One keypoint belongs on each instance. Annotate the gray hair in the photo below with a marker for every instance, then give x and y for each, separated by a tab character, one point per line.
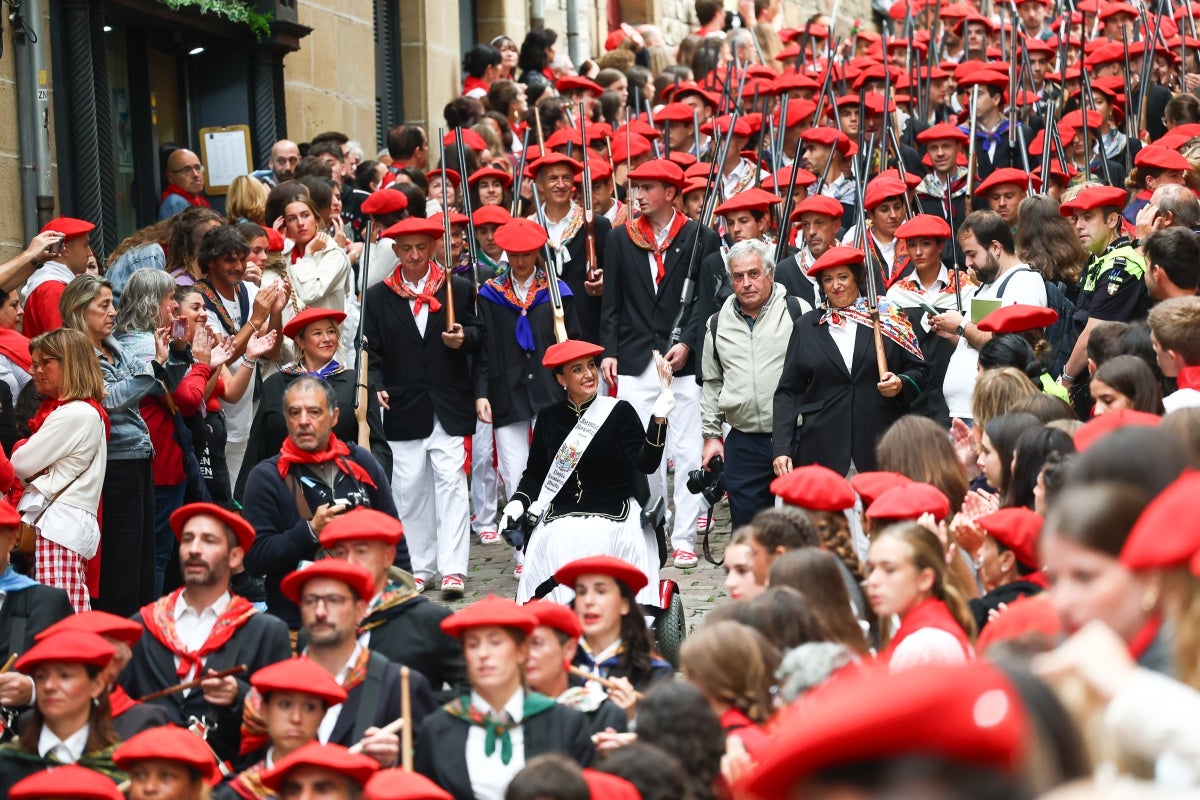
142	299
749	247
1180	203
308	382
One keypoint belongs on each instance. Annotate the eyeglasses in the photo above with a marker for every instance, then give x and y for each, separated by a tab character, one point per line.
37	366
199	168
330	600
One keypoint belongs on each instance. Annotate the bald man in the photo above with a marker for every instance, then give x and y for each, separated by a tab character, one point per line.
285	155
185	184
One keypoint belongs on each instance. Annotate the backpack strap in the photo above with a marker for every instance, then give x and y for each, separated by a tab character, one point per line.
1007	278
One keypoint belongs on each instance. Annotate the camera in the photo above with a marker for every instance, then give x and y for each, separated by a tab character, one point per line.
710	483
517	534
353	500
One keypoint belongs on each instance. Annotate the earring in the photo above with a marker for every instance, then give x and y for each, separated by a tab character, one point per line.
1149	600
96	701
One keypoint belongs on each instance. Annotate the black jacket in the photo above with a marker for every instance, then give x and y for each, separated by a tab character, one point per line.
283	537
574	274
1008	593
28	612
636	318
440	752
270	423
411	634
787	272
843	413
421	375
348	729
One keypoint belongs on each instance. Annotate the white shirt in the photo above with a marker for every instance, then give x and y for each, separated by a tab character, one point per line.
239	415
555	231
325	729
660	236
489	775
420	317
927	646
521	289
65	751
1181	398
193	627
843	336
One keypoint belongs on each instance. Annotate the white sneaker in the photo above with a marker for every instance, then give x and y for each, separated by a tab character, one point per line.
685	559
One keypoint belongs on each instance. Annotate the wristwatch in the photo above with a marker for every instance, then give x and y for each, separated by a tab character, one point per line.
960	330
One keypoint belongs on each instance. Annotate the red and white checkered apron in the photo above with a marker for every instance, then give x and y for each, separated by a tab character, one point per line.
56	565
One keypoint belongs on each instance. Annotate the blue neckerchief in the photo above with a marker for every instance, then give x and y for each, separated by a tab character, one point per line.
523	330
13	581
324	372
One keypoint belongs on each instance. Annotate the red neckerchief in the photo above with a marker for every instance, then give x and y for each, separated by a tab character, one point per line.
472	83
248	783
120	701
641	233
48	406
549	73
159	619
1144	637
1188	378
337	451
433	283
621	216
929	613
193	199
15	347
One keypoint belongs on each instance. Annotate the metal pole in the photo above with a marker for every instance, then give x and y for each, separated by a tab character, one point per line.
537	14
573	42
33	115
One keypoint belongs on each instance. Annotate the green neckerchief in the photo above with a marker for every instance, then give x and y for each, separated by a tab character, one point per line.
97	760
498	726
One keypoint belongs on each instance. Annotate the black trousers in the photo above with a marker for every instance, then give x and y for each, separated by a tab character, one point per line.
126	538
748	475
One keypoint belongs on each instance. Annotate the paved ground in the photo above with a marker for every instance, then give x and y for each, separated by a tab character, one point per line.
491	572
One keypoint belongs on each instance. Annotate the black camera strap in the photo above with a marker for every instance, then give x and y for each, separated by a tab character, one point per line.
704	544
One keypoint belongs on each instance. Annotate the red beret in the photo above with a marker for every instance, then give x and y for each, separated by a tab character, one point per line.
490	611
73	781
1160	158
554	159
563	353
1075	119
384	201
362	525
923	225
910	180
873	103
1006	175
458	218
799	110
783	177
578	83
870	485
661	170
966	714
1018	318
557	616
242	529
629	147
309	315
491	215
681	158
1166	534
357	578
1094	197
609	787
68	647
815	488
880	188
601	171
169	743
722	124
1025	616
638	127
711	99
415	226
819	204
1016	528
1112	9
1096	428
274	240
749	200
909	502
694	185
675	112
69	227
490	172
521	236
400	784
564	137
837	257
453	175
100	623
9	517
830	137
976	18
299	675
700	169
470	138
943	130
983	77
615	568
332	757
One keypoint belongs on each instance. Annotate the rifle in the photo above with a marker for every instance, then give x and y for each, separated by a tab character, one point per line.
971	145
589	215
556	303
361	396
860	179
908	209
953	248
447	247
1090	101
785	219
472	247
519	175
537	120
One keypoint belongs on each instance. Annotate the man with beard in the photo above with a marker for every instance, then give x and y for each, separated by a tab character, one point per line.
332	595
201	629
819	219
987	244
285	155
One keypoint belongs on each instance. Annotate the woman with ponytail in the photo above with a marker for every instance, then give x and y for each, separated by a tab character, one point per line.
906	576
1015	350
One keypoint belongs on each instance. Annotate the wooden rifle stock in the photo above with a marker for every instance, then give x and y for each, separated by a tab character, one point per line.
183	687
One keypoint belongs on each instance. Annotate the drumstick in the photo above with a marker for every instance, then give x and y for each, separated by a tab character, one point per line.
391	727
605	682
8	664
406	751
183	687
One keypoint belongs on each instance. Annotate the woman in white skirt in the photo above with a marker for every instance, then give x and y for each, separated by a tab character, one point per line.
581	478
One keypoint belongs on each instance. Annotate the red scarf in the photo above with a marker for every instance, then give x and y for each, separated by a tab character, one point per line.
159	619
929	613
193	199
433	283
1145	637
472	83
337	451
49	406
120	701
641	233
1188	378
15	347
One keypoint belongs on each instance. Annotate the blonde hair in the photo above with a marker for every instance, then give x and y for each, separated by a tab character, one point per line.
246	199
732	663
78	295
81	375
927	553
996	393
1181	590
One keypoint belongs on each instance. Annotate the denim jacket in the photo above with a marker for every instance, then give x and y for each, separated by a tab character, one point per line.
127	381
148	256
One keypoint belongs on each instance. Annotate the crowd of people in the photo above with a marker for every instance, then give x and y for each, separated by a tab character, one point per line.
920	306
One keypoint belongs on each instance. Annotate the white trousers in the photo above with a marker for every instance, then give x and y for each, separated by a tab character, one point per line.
512	453
684	445
483	479
430	490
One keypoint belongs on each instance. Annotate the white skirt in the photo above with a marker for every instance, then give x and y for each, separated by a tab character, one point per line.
556	544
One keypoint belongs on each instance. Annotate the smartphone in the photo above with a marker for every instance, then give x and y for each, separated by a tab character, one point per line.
179	329
57	248
929	309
